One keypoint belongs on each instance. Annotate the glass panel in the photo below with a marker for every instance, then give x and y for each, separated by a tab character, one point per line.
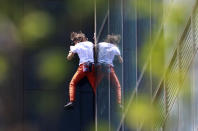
107	88
196	93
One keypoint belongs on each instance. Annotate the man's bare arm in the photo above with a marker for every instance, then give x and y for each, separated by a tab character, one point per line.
120	59
70	55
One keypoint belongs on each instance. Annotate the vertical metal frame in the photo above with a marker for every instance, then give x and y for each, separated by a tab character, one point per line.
122	43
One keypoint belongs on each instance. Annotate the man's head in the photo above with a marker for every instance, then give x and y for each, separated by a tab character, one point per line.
78	37
113	39
82	36
73	35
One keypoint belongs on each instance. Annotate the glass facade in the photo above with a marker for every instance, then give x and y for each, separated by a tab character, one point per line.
177	54
158	76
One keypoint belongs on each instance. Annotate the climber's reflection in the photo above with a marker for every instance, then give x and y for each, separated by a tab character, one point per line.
106	52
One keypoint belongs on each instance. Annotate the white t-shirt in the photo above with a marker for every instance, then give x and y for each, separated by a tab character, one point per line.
84	51
107	51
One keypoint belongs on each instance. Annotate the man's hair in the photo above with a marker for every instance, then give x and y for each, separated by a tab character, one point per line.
78	36
73	35
113	39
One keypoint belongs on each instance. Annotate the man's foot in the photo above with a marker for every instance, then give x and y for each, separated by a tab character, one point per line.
69	105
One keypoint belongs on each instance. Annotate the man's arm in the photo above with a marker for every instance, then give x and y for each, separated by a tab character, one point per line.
120	59
70	55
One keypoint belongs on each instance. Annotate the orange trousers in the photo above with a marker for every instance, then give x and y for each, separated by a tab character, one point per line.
77	77
113	79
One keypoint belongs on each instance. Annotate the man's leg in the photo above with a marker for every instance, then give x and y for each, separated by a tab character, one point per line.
116	82
75	79
72	86
92	78
98	74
